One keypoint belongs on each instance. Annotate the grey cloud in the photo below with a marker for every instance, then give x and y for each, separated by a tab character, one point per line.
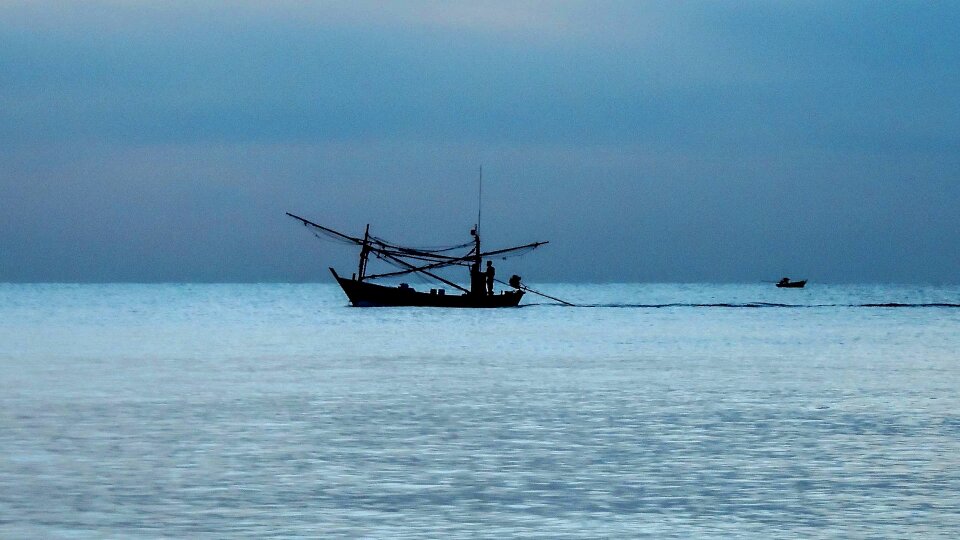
694	141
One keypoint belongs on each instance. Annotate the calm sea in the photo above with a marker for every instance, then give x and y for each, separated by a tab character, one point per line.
685	411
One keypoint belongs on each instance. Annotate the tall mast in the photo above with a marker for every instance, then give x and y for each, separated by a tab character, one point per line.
364	253
476	281
480	201
476	229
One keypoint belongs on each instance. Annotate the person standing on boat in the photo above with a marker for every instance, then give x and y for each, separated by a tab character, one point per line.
476	280
490	273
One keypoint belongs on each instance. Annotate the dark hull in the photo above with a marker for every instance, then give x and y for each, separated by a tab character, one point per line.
792	285
363	294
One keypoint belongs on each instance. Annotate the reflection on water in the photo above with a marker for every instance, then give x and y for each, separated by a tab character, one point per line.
273	410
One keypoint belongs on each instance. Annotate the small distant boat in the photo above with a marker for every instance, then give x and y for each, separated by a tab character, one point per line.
785	283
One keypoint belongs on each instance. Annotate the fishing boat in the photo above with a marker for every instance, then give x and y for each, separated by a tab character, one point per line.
785	283
362	292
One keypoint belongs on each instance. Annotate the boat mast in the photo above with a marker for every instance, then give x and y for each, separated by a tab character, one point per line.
480	201
476	229
364	253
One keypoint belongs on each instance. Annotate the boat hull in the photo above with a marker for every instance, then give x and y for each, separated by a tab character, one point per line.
792	284
363	294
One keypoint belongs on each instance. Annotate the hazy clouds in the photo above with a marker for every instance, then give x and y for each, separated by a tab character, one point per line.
648	141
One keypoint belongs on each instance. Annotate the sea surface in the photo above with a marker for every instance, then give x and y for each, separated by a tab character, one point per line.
659	411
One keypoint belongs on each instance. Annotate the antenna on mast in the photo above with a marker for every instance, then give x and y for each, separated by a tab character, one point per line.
480	200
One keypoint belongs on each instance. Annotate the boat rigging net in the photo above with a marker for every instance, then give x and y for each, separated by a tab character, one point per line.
409	259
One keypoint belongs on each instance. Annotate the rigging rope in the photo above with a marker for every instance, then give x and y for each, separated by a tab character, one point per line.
401	256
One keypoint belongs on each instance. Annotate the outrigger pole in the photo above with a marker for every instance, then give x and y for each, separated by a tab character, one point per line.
370	242
357	241
454	260
529	290
412	268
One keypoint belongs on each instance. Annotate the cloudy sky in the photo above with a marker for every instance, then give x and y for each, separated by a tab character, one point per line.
648	141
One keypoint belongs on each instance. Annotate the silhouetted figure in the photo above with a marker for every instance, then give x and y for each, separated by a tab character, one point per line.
476	280
490	273
783	281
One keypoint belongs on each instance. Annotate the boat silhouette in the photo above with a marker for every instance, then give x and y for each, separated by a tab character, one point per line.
362	292
785	283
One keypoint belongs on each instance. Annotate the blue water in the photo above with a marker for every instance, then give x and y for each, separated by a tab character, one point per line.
708	411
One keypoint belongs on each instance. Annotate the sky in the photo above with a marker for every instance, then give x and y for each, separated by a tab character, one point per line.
647	141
